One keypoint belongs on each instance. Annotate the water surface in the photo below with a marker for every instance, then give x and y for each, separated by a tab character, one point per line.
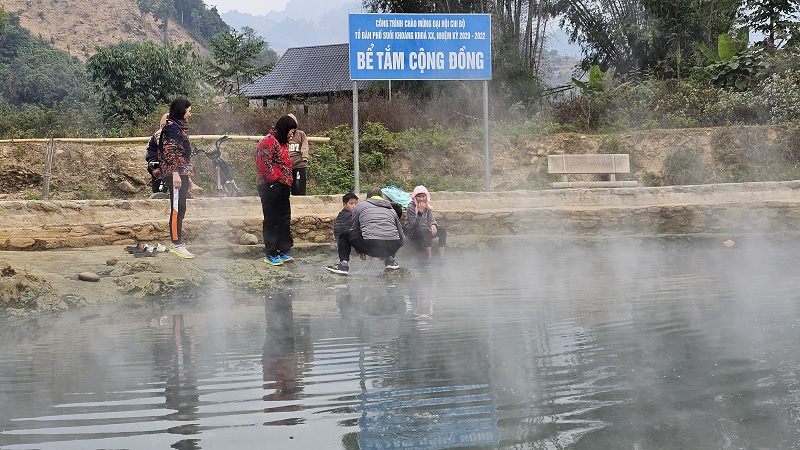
665	344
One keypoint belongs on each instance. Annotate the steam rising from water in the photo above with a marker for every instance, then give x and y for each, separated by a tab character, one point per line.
619	344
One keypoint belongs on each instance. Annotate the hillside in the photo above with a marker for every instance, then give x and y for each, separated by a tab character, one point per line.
119	171
78	26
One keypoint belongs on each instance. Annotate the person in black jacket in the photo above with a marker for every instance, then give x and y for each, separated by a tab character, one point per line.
175	159
345	218
152	157
375	231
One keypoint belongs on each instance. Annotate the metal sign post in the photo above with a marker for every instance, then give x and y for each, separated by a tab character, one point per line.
421	47
357	172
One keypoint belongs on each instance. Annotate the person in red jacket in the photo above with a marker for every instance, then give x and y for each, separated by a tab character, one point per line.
274	179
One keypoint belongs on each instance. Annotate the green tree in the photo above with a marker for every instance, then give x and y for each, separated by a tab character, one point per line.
33	72
647	36
193	15
733	65
772	18
134	78
518	33
165	10
201	22
233	56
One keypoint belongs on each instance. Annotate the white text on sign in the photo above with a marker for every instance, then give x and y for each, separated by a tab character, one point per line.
421	60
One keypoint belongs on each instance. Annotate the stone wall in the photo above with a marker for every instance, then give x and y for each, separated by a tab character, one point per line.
725	209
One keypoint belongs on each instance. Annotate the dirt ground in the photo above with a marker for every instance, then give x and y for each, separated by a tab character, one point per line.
36	282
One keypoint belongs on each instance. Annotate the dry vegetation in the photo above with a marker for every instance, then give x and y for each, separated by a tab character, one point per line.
78	26
84	171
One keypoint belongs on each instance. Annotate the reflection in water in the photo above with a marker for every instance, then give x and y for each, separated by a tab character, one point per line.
409	397
279	358
421	297
668	345
180	388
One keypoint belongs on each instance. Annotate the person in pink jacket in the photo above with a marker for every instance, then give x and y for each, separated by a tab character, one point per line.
420	226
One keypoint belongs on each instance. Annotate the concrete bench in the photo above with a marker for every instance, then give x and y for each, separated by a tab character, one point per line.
590	164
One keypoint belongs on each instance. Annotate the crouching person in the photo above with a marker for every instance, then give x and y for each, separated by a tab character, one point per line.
375	231
420	227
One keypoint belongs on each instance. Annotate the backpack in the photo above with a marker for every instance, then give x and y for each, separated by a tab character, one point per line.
397	195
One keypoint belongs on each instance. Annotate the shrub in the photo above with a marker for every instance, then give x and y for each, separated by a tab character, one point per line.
581	112
632	105
651	179
781	96
332	174
734	107
435	182
679	104
89	192
375	138
791	148
684	166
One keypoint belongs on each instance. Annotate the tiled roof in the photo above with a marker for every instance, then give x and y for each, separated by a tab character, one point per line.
303	71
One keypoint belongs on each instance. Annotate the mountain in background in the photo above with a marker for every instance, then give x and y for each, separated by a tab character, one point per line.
78	26
301	24
312	22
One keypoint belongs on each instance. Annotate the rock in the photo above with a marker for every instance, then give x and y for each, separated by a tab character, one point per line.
126	186
88	276
20	243
112	262
45	206
7	271
248	239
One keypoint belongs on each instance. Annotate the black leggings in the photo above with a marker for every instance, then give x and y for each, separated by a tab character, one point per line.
299	183
177	201
376	248
423	238
277	210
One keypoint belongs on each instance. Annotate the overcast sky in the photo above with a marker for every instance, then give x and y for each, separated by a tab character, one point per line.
324	30
261	7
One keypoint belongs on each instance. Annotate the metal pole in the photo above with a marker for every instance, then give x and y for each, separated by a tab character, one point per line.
48	166
486	163
355	139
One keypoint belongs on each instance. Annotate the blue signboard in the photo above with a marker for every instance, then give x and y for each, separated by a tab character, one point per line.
420	47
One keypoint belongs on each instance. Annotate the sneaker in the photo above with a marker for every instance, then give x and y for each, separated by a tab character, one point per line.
273	260
390	263
181	251
286	257
160	248
341	269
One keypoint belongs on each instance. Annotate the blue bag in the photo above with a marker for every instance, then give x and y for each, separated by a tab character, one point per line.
397	195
